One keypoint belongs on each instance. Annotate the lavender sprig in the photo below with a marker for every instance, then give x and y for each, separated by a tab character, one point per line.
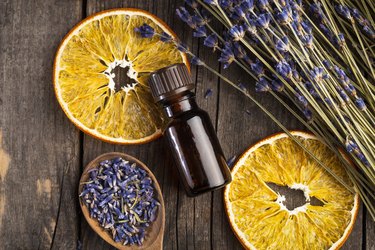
318	56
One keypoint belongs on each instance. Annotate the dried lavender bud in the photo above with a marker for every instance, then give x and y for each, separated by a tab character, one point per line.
120	195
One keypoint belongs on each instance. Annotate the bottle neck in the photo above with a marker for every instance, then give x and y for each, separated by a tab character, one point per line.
180	104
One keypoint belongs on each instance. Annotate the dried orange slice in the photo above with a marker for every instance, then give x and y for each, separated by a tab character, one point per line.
100	75
258	214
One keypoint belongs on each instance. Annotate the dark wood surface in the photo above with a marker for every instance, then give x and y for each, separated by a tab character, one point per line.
42	154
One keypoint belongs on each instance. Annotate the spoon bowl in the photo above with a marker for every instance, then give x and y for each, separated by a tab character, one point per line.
154	233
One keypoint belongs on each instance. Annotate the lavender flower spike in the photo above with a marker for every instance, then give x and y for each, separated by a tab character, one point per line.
248	5
360	103
277	85
182	47
237	32
308	114
344	11
196	61
282	45
200	32
164	37
212	2
185	16
262	85
211	41
257	68
317	74
263	4
192	3
227	56
239	51
264	20
146	31
284	17
284	69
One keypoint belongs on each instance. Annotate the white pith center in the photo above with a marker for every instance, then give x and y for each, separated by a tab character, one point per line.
132	74
306	192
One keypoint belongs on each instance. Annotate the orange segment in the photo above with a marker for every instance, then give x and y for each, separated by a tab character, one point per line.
258	215
97	101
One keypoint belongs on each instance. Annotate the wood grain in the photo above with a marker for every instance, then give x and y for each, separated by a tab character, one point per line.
39	205
42	154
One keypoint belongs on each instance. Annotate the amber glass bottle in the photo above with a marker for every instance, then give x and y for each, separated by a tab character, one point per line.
190	134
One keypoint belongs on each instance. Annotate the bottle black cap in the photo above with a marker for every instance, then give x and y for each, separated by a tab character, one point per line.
169	81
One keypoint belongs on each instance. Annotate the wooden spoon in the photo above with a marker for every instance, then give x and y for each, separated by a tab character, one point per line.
155	232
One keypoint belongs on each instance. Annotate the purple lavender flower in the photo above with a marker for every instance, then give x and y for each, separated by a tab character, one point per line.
240	13
225	4
247	5
308	114
251	27
208	93
196	61
284	69
282	45
200	32
212	2
277	85
182	47
326	31
343	11
199	21
239	51
350	89
227	56
192	3
242	87
301	99
343	94
263	4
370	32
284	17
352	147
317	74
307	41
262	85
360	103
146	31
306	27
296	75
257	68
329	102
264	20
185	16
340	40
327	64
237	32
211	41
164	37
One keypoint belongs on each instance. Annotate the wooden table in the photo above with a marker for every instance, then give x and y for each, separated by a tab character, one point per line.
42	154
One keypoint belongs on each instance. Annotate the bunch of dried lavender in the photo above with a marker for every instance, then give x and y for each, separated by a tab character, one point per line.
120	196
299	49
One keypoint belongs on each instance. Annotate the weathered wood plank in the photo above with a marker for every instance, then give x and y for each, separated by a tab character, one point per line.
370	232
38	197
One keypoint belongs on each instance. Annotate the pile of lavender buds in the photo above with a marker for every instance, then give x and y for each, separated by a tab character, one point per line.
120	196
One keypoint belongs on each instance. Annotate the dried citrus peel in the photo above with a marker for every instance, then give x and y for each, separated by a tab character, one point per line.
258	214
